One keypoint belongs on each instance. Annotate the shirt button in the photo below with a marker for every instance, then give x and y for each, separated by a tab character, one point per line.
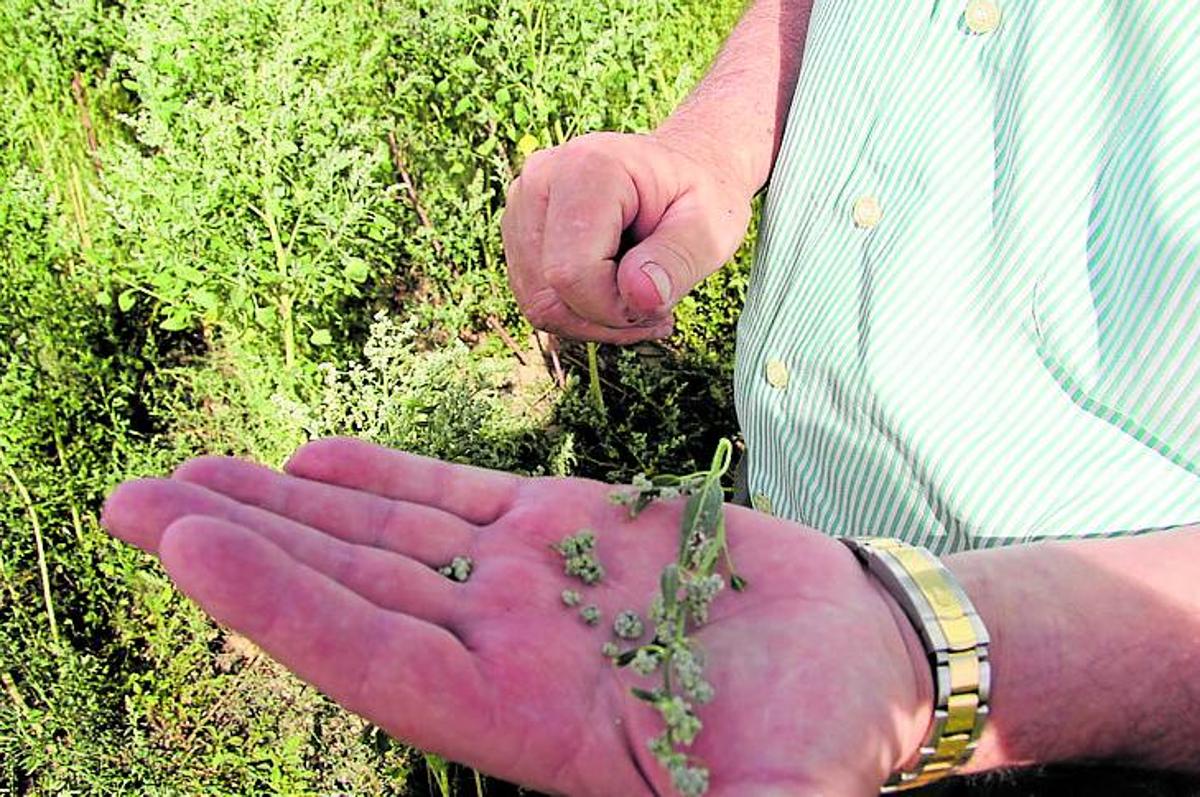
866	212
982	16
761	503
777	374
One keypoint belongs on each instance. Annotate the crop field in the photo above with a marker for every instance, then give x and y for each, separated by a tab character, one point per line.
229	227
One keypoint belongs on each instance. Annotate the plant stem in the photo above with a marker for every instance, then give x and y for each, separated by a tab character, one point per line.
76	521
285	298
594	377
439	770
43	571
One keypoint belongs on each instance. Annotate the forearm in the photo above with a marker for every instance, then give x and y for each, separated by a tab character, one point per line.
737	112
1095	650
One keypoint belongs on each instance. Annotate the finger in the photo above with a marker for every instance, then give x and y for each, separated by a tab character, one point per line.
564	322
423	533
592	199
474	494
141	512
411	677
654	275
522	226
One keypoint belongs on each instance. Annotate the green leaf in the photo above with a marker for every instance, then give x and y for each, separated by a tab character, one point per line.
702	513
645	695
190	273
527	145
265	316
321	337
126	300
176	322
669	583
487	147
357	270
206	299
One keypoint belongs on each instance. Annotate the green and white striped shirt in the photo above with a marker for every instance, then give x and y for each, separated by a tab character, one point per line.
974	317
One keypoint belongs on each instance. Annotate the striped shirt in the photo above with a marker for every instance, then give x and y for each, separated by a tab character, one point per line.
974	314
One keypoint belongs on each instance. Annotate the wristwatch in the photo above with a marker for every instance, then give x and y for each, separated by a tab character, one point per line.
955	642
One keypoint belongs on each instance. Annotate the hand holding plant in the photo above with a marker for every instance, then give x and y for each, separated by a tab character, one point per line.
332	567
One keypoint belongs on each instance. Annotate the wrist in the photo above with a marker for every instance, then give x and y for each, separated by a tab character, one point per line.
955	646
916	704
1040	712
721	159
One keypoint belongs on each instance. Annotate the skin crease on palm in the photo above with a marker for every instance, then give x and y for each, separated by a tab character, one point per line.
329	567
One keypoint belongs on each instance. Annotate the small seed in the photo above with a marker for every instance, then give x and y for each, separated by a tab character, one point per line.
571	597
610	650
579	557
590	614
644	662
459	569
628	625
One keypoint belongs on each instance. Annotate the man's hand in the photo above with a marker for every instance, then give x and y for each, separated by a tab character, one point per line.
331	568
604	234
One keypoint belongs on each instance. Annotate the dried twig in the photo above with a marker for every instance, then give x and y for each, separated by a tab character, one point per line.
549	348
85	119
410	188
499	329
212	710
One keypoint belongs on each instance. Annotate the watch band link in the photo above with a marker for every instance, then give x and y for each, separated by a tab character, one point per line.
955	642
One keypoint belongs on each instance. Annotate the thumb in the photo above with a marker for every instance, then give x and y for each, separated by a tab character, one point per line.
654	275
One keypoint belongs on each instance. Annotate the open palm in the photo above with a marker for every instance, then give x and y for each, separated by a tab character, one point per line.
331	568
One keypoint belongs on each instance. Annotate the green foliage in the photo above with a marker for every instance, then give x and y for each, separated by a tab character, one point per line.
442	403
202	215
666	412
252	192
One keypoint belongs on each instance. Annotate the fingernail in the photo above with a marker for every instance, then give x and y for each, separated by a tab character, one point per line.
662	283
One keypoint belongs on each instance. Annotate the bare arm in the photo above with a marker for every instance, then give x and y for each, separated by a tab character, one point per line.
1096	650
741	105
606	233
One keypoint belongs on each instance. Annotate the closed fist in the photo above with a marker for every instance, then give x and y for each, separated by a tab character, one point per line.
605	234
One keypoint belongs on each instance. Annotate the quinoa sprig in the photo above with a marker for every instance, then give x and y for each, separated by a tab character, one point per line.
687	588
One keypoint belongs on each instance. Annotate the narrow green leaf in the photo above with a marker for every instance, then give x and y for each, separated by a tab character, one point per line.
646	695
669	583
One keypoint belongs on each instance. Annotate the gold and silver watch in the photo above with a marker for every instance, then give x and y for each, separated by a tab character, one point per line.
957	646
